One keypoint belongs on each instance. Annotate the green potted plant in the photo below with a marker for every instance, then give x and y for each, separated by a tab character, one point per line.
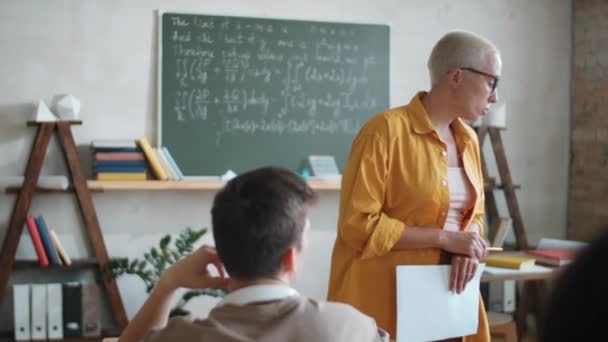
157	259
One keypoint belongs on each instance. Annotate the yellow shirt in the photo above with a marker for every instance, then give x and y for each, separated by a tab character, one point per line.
396	175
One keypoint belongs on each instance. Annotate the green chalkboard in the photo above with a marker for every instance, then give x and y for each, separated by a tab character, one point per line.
239	93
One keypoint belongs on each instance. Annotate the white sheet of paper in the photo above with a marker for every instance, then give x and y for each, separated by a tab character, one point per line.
426	308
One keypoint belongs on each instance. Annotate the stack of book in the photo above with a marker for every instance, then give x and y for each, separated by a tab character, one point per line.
552	257
118	160
556	252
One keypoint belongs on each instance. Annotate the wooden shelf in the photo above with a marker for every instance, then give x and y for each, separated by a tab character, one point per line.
185	185
44	133
79	264
152	185
16	189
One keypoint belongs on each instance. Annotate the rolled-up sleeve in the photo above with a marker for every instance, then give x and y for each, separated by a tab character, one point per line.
479	214
363	225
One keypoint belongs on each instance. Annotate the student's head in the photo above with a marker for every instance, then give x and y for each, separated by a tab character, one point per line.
467	66
577	306
259	219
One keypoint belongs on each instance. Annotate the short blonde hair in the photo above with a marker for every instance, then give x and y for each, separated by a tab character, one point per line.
458	49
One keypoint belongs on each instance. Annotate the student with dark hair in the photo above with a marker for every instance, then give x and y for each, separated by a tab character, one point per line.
259	225
579	301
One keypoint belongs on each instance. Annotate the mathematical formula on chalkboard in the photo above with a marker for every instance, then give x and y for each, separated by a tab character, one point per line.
234	77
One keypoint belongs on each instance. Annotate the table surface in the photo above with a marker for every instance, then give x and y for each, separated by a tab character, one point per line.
538	272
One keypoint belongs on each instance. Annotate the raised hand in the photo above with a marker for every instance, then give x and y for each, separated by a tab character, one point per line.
192	271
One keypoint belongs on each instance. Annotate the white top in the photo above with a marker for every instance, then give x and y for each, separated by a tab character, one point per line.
258	293
461	198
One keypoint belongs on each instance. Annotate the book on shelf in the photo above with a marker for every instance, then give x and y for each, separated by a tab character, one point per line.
552	257
164	164
63	255
45	237
136	164
556	252
36	241
113	144
120	167
121	176
118	156
174	166
152	159
118	160
510	261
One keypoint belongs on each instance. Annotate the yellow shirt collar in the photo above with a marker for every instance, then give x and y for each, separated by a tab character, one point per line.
421	123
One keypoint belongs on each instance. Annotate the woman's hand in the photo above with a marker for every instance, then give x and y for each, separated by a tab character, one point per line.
463	270
464	243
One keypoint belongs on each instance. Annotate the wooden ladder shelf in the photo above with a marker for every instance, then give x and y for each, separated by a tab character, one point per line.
507	186
24	199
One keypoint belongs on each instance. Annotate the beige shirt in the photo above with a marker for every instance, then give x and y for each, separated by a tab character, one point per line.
256	314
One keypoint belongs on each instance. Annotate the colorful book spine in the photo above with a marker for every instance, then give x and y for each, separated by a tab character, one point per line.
178	171
125	163
113	143
121	176
152	160
119	156
46	242
65	258
117	149
164	164
36	241
120	168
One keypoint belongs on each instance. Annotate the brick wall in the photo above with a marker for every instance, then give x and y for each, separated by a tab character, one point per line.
588	195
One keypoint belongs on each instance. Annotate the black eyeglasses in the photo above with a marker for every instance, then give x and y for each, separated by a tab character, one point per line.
495	78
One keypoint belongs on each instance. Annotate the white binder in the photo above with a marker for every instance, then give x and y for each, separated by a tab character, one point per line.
501	296
21	311
39	332
55	311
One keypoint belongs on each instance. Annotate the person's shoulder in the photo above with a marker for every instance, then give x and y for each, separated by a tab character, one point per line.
383	122
344	320
178	328
335	309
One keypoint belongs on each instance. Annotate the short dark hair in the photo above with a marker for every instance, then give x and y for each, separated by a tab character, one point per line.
577	306
256	217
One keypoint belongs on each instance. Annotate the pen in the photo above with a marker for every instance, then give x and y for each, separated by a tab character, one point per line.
494	249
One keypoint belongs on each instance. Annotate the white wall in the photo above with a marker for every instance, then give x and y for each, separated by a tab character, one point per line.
103	52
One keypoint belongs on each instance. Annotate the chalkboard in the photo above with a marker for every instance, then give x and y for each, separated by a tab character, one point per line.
238	93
